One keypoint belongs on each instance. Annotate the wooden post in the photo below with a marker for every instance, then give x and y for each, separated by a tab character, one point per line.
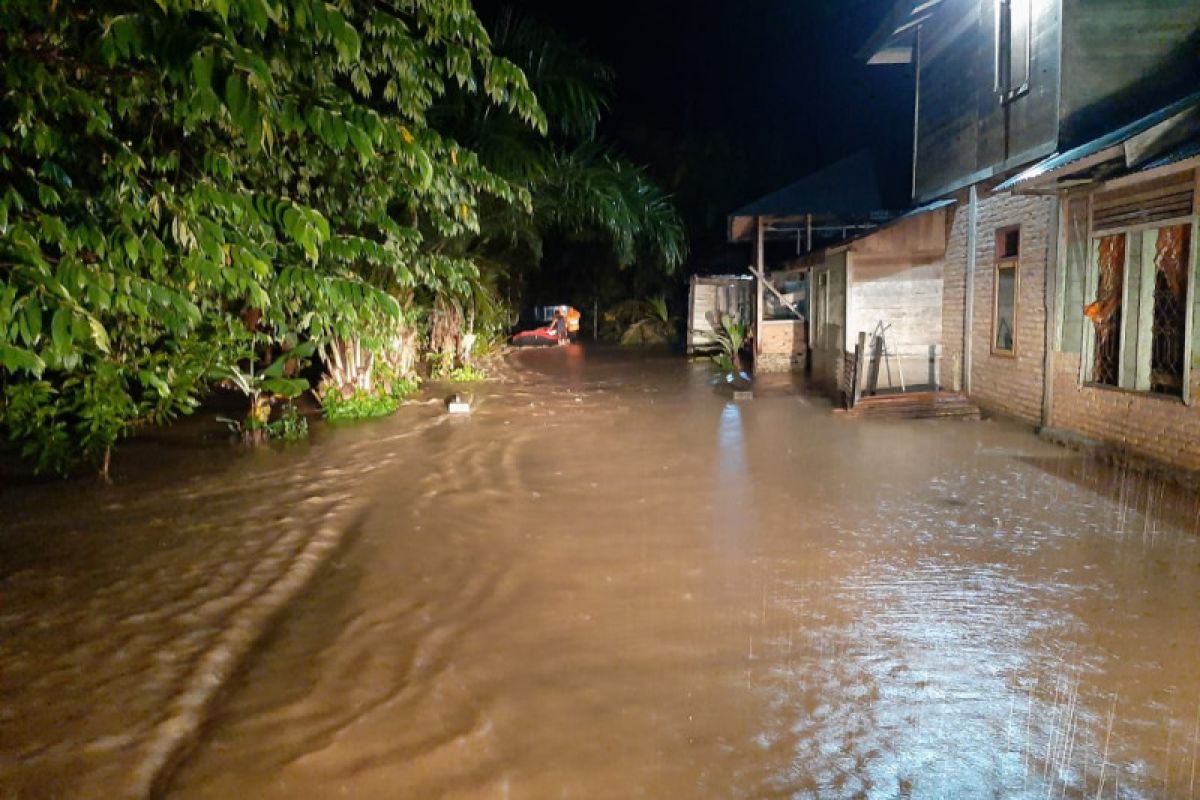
860	348
808	225
969	288
760	265
1056	237
691	317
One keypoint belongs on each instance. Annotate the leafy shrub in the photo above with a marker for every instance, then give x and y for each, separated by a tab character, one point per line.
363	404
290	426
467	374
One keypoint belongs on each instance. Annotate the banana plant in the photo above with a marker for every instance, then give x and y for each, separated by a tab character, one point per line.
263	387
731	337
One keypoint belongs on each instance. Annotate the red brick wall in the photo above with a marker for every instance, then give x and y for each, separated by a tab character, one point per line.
1160	428
1009	384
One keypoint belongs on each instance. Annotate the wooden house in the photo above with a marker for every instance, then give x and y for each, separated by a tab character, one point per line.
833	203
1067	131
881	291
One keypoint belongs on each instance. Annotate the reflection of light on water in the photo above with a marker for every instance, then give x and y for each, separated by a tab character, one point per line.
732	441
734	516
967	649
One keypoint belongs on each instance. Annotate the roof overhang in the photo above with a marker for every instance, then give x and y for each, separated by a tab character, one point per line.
1169	135
892	41
776	228
841	195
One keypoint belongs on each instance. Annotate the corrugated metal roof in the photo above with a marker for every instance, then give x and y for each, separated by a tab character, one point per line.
1181	153
1095	147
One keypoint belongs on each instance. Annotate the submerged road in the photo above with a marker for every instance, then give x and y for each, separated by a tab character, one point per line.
612	582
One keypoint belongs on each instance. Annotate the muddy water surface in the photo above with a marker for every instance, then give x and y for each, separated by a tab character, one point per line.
607	582
610	582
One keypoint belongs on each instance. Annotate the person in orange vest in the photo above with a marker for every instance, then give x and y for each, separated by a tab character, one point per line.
572	316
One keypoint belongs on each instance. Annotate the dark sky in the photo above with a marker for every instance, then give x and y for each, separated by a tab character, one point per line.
728	99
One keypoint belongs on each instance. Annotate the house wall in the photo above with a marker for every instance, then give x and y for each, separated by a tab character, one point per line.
828	310
1160	428
905	295
965	133
896	279
1013	384
1153	426
784	346
1124	58
708	299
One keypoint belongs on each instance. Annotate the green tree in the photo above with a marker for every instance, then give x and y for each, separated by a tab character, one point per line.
192	186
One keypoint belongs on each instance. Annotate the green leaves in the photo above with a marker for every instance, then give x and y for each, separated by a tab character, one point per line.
16	359
195	184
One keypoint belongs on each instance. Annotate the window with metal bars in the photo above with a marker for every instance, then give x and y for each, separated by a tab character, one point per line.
1105	311
1169	321
1140	309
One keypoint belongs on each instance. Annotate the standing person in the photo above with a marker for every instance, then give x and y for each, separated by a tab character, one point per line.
559	325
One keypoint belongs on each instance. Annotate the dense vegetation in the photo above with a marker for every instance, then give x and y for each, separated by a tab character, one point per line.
196	192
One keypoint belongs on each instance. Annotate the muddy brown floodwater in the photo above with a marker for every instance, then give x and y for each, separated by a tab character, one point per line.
612	582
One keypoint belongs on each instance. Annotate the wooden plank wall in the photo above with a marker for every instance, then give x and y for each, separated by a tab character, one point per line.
963	128
1123	59
905	294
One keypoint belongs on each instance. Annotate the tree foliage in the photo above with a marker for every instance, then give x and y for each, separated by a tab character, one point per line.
187	183
204	191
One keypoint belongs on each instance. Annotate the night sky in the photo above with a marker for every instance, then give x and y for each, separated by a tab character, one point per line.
726	101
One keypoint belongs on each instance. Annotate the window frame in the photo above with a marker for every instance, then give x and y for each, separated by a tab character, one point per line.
1000	261
1003	85
1125	371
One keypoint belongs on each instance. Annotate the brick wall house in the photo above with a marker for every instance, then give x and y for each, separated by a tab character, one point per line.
1140	396
1069	133
1003	376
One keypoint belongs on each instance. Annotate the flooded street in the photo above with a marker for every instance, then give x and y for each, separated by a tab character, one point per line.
610	582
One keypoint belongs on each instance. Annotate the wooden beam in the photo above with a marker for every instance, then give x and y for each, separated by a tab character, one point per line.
1057	240
762	278
759	263
969	287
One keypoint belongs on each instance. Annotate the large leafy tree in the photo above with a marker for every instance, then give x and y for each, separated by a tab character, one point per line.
187	183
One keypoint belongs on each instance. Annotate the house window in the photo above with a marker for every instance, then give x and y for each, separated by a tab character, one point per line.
1014	46
1172	247
1140	309
1007	280
1105	310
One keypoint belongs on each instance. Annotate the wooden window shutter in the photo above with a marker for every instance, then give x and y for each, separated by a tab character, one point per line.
1168	198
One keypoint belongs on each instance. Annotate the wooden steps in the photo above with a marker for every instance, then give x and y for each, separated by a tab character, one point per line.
915	405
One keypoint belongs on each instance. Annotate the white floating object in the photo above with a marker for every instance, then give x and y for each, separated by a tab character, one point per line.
458	404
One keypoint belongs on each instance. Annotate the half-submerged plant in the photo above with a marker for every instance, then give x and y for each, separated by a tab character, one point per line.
263	388
731	338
